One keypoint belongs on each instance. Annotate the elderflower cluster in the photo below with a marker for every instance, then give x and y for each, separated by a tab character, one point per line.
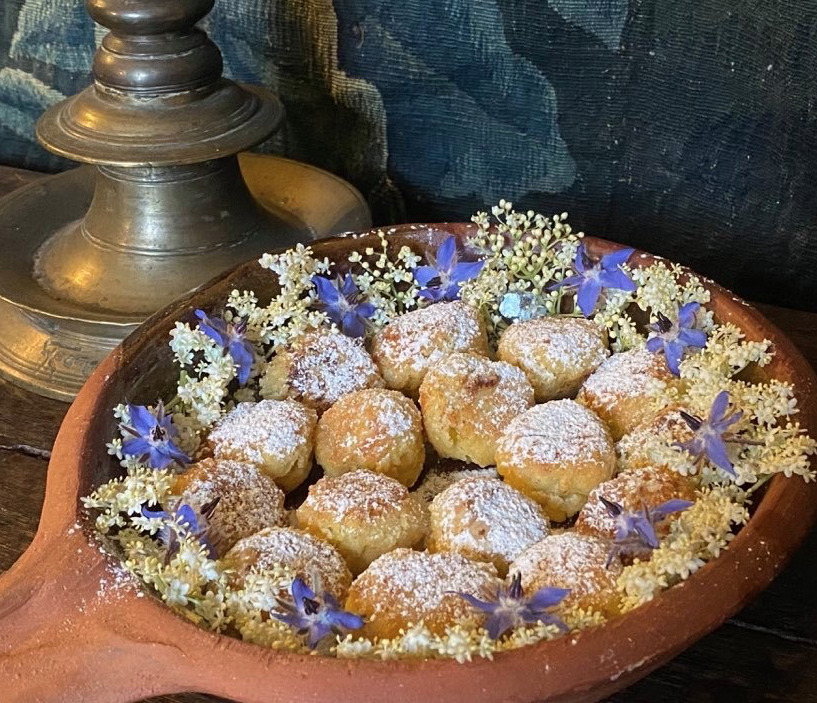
523	252
249	605
125	495
661	289
291	311
206	372
727	353
665	288
387	283
613	316
767	441
189	582
462	641
698	534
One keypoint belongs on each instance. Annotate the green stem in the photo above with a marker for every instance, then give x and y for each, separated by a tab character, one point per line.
175	401
759	483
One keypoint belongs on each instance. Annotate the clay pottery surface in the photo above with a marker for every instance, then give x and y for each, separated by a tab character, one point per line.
74	626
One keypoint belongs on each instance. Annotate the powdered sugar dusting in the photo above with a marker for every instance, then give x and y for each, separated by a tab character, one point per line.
304	554
550	347
394	416
669	426
362	494
632	490
494	391
625	375
258	432
249	501
116	581
554	432
567	560
421	338
418	583
391	415
437	480
322	367
487	517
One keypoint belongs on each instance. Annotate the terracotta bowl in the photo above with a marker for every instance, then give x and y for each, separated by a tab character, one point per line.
73	625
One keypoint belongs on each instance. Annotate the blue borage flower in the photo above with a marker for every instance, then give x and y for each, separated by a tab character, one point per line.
315	616
712	434
510	609
151	437
673	338
441	279
635	531
184	521
231	338
344	304
593	277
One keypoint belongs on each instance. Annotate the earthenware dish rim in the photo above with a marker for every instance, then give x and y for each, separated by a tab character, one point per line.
584	666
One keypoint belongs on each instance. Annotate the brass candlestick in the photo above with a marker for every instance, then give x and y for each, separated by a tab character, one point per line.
170	207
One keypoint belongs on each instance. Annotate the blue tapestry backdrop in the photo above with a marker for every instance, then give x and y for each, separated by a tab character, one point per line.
685	127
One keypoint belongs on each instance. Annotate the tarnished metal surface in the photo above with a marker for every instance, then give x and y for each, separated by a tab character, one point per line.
50	345
165	207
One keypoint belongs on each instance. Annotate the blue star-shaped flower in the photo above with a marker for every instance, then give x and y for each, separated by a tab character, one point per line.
635	531
712	434
230	337
344	305
591	278
315	616
442	278
510	609
186	521
152	437
673	338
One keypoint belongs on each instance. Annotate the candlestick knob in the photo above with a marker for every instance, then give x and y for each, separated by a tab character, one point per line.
158	97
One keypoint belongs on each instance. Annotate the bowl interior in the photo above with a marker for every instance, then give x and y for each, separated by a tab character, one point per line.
141	370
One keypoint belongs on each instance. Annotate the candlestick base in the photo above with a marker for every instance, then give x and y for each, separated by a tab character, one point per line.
52	340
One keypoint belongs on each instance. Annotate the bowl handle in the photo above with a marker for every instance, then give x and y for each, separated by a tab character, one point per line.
66	634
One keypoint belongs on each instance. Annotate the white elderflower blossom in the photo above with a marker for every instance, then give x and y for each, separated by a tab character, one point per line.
385	282
698	534
523	252
176	593
524	636
415	641
459	642
127	494
350	647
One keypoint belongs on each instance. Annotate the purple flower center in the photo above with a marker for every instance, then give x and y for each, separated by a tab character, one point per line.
441	278
635	533
185	521
673	339
510	609
711	435
151	437
314	616
344	304
591	279
311	606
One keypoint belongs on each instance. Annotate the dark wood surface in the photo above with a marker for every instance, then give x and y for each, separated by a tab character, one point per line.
768	652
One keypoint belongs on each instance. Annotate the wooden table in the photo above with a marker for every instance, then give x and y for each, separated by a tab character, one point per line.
767	653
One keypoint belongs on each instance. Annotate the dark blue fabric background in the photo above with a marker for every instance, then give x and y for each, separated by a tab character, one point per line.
686	127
